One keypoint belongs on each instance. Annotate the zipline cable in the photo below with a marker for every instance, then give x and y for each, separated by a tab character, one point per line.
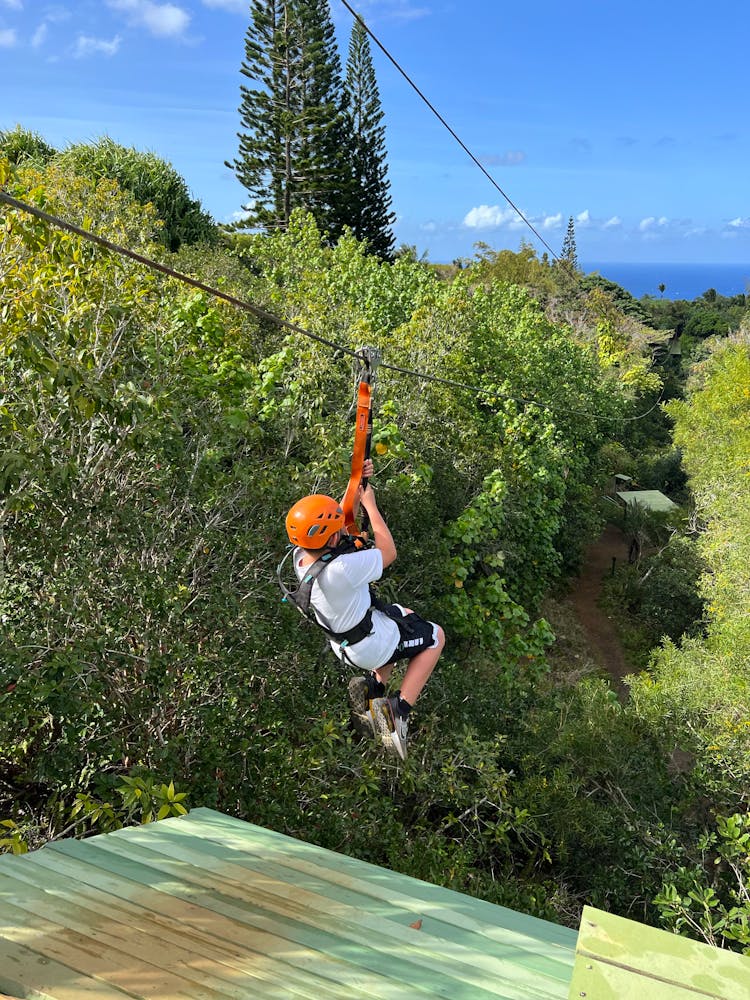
443	122
149	262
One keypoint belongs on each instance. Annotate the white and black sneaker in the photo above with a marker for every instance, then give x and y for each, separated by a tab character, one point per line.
393	726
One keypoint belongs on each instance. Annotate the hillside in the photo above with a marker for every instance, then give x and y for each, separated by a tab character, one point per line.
153	439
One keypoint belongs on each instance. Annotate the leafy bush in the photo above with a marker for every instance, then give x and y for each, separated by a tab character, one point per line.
150	180
20	145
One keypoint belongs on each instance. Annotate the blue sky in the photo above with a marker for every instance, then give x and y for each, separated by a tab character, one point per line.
631	117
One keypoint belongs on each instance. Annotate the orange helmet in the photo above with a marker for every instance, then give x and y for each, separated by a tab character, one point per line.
312	520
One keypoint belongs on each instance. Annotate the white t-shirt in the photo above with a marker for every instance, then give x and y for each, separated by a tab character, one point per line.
341	596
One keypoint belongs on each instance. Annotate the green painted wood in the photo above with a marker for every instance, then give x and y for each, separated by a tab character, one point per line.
315	945
419	898
440	922
479	915
112	937
657	957
194	917
408	960
170	846
30	976
597	980
208	907
135	975
99	905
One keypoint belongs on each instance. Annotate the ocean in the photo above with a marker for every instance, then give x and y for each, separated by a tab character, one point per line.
683	281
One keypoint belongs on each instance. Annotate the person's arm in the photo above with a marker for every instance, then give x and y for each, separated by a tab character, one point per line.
383	537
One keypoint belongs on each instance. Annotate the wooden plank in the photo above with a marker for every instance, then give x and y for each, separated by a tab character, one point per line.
354	926
597	980
660	957
32	976
172	844
404	964
225	949
137	975
550	955
478	914
194	912
113	937
438	921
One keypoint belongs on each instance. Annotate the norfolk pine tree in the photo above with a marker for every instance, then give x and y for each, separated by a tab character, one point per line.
323	164
370	216
569	253
293	118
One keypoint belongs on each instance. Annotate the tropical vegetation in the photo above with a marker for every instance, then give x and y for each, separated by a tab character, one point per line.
151	440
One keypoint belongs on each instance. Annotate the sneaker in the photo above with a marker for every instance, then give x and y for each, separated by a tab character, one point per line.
393	727
360	695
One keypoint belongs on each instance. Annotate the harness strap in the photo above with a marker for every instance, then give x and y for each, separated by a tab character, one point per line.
362	437
301	595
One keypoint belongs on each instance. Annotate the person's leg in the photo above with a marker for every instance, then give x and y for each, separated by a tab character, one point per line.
391	714
383	674
419	670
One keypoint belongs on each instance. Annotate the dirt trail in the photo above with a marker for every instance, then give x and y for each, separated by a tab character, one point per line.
584	596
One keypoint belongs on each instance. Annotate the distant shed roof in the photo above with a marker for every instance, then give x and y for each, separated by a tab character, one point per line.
650	499
211	907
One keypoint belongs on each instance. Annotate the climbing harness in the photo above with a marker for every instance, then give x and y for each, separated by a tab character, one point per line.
300	596
370	357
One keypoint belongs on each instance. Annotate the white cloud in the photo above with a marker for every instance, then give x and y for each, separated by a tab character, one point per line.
13	4
612	223
39	36
739	223
488	217
651	222
511	158
552	221
583	218
164	20
88	46
8	38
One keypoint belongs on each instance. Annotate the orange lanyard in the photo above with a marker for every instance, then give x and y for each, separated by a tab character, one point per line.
362	439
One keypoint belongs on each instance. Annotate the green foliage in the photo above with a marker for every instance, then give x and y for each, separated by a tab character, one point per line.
705	316
707	895
152	440
663	470
568	252
624	301
521	268
150	180
661	592
154	802
22	146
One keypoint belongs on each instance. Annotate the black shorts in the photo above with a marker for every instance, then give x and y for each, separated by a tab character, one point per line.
416	633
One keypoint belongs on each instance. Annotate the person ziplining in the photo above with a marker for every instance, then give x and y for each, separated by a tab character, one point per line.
335	563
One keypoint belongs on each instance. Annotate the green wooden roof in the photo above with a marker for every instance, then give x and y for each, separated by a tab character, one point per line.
650	499
205	906
619	959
